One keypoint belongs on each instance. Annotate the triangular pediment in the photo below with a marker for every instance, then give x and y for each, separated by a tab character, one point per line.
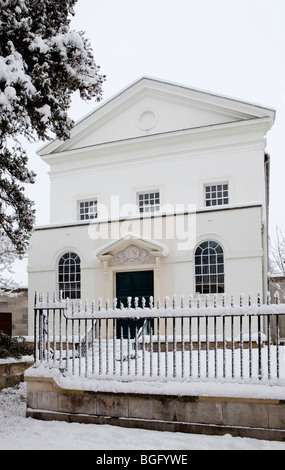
132	247
150	107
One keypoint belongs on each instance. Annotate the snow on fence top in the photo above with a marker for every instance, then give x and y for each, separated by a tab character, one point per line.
199	306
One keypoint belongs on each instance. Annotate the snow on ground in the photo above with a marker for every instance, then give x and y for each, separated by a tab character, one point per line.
19	433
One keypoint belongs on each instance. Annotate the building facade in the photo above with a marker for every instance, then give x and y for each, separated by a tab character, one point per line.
163	189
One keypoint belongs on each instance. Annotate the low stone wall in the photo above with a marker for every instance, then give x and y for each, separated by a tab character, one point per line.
245	417
12	373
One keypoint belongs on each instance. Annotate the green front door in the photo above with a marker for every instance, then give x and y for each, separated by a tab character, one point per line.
132	284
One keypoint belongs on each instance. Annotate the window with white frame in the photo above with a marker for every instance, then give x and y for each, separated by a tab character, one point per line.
69	276
216	194
88	210
209	268
149	202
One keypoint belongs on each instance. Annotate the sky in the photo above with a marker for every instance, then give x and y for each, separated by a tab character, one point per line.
229	47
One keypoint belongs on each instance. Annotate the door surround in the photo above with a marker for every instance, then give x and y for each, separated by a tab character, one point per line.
131	252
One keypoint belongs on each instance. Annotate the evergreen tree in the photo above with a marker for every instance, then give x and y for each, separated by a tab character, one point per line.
42	63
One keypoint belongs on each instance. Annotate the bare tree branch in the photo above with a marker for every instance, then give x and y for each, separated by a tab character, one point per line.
277	265
8	254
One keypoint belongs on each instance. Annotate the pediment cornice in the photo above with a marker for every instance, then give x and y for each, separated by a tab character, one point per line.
102	126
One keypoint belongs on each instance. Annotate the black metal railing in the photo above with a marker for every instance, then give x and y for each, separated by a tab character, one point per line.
207	340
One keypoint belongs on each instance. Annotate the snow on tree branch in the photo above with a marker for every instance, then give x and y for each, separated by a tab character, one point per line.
42	63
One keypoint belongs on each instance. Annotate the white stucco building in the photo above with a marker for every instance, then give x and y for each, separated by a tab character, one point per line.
163	189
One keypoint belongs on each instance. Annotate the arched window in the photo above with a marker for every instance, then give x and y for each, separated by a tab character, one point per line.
209	268
69	276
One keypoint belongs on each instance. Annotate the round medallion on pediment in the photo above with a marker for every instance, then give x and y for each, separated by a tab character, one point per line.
147	119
